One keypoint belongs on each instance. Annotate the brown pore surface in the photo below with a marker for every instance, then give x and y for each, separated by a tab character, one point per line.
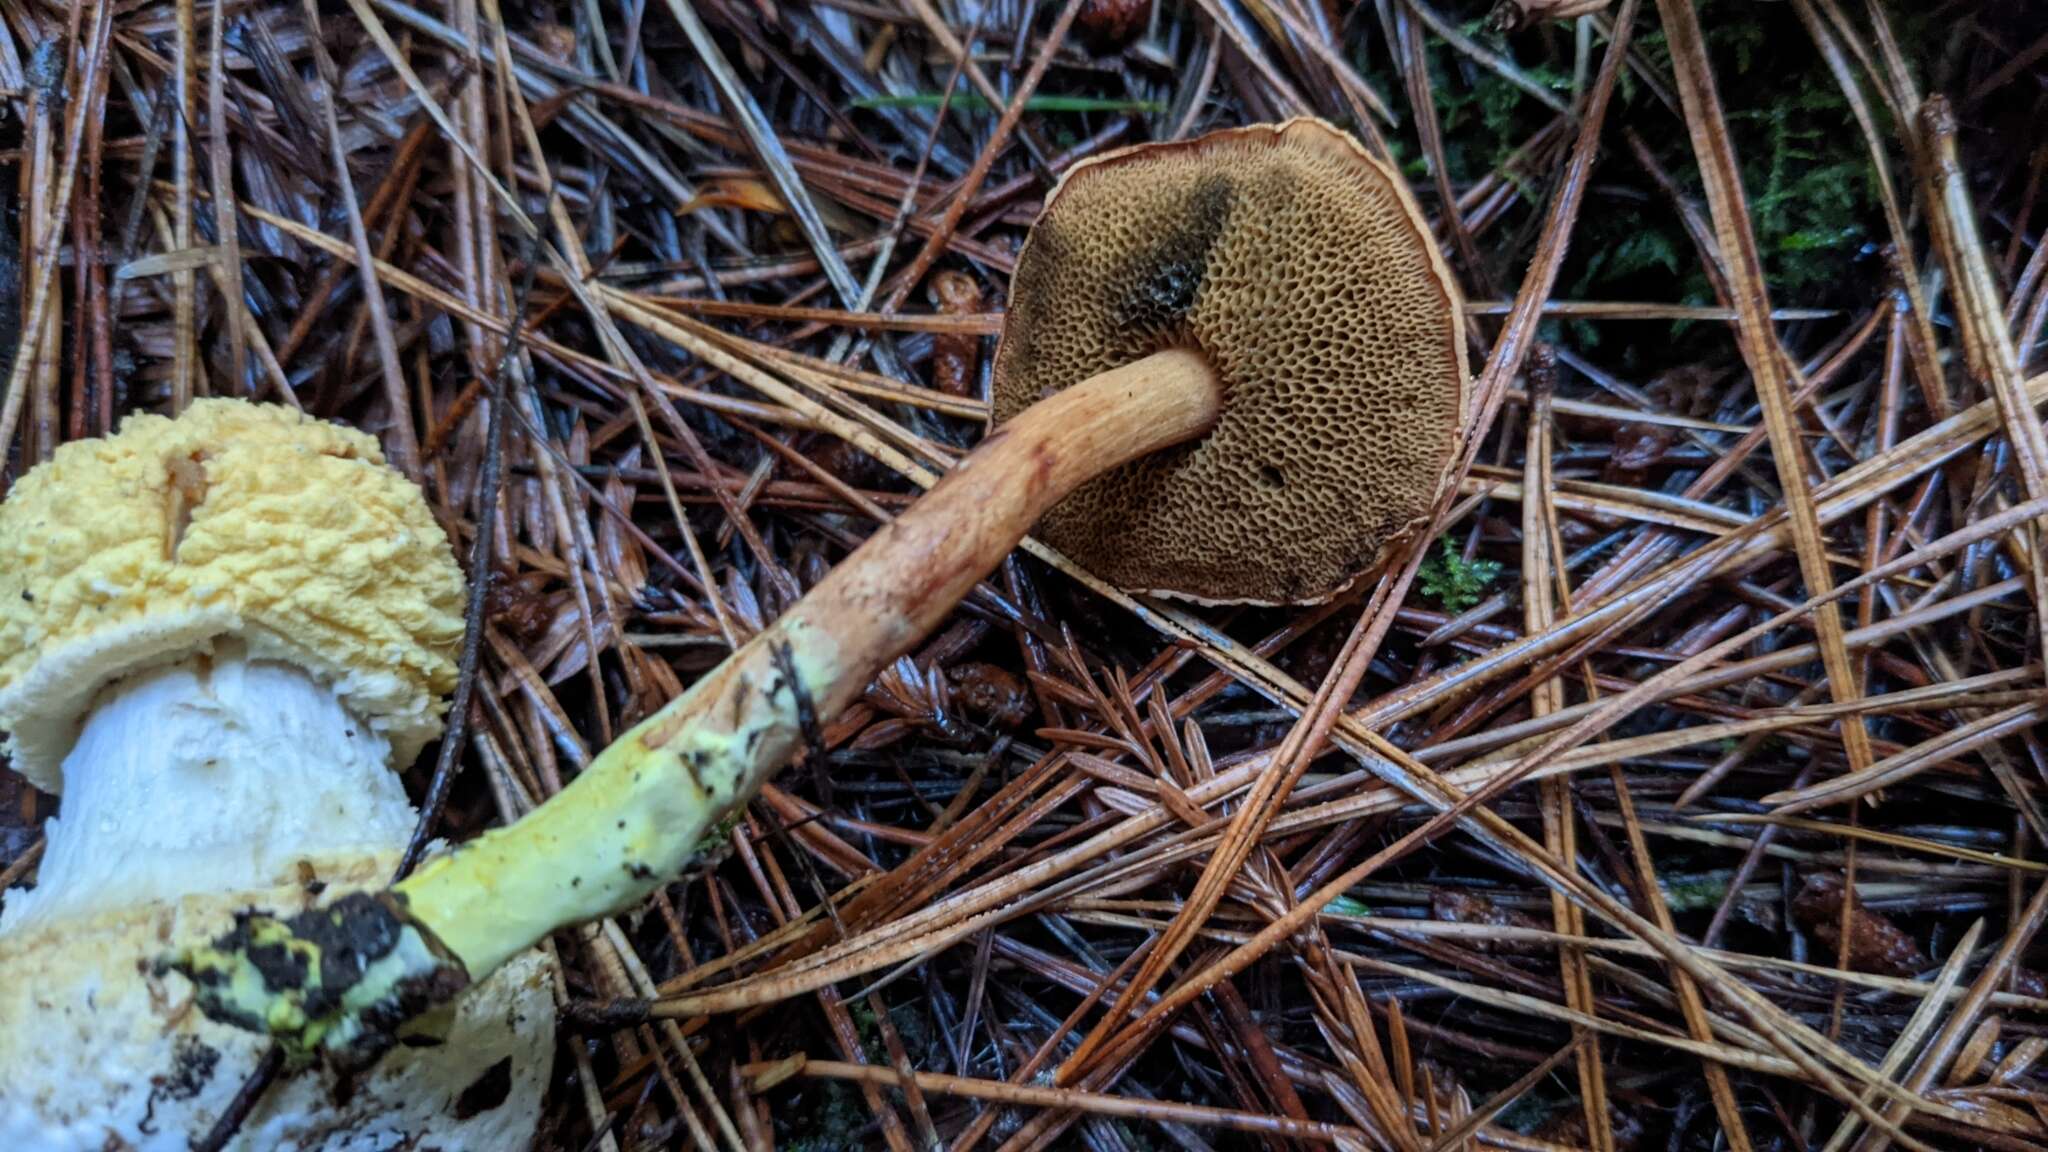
1302	269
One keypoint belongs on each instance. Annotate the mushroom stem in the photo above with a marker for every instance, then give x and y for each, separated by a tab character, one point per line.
632	820
216	774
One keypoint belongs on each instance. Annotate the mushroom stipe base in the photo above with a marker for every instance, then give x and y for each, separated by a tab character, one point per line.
633	819
344	980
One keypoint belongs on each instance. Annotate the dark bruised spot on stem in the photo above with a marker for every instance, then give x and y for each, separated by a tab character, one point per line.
806	707
192	1066
486	1092
310	962
806	720
383	1020
349	934
280	967
739	700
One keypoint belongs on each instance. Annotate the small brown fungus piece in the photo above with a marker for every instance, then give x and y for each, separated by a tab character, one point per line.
991	694
1302	271
1876	944
518	605
955	354
1108	25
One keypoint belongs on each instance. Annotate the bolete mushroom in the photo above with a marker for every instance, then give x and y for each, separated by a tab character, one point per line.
1258	319
216	635
1302	272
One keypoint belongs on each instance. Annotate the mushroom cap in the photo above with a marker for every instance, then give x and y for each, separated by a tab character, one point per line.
1301	267
234	519
99	1050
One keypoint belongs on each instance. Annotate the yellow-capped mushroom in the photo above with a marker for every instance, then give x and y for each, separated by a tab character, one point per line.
216	635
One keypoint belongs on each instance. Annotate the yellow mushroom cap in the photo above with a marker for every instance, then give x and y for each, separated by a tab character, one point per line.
234	519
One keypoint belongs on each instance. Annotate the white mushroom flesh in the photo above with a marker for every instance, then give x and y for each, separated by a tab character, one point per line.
194	791
214	775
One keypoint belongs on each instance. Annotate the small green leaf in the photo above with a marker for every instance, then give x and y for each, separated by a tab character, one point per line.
1454	582
1346	906
1817	239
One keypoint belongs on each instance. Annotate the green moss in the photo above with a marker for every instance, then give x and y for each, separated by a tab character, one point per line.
1813	196
1483	117
1346	906
827	1118
911	1028
1696	892
1454	582
829	1115
864	1026
1529	1112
